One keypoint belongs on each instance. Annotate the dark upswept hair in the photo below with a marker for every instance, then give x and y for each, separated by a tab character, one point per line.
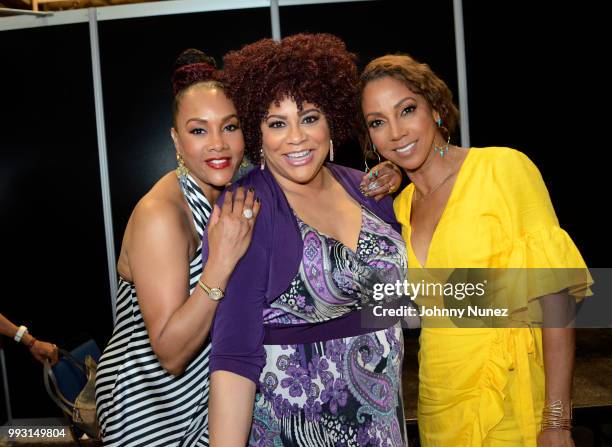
314	68
190	68
419	78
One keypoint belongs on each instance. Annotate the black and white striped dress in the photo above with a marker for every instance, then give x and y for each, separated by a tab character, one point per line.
138	402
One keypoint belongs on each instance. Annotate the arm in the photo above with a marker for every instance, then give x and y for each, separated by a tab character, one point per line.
41	350
231	409
238	356
179	323
559	345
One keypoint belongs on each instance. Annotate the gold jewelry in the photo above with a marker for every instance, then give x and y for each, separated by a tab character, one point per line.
450	174
214	293
552	417
366	157
181	169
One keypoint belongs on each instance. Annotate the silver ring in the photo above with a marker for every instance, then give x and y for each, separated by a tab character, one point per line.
372	186
247	213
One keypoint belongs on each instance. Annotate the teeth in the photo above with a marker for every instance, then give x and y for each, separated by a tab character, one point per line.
298	154
406	149
218	162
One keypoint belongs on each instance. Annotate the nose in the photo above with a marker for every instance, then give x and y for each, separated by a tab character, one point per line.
216	141
396	130
296	135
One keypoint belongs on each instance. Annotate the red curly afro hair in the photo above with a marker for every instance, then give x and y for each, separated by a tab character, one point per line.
315	68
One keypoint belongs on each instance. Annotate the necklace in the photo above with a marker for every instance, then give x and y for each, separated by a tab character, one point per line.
451	172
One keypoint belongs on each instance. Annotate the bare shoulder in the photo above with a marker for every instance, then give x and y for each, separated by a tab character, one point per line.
161	210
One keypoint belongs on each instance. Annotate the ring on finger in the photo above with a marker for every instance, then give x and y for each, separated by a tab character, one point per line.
247	213
372	186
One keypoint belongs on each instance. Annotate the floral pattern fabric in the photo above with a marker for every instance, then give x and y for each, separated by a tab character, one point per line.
342	392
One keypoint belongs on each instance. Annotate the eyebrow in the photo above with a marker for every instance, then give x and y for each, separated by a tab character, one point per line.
399	103
202	120
302	113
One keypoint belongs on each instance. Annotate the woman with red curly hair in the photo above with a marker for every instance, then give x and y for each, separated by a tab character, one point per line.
291	363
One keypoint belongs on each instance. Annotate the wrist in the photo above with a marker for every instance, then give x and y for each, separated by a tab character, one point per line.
557	415
215	276
21	332
31	343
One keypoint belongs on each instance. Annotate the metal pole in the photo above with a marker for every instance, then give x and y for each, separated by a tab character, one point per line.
7	400
461	73
275	17
102	155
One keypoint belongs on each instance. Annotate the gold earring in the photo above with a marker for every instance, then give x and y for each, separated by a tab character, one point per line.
369	152
181	169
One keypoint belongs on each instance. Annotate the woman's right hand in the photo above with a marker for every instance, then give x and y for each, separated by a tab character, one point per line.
229	230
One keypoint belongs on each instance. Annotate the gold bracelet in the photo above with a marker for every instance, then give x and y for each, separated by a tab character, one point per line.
552	417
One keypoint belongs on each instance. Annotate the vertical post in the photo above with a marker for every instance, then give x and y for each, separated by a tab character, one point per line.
102	155
7	400
275	17
461	73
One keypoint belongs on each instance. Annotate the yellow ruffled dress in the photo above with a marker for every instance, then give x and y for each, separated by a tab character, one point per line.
483	386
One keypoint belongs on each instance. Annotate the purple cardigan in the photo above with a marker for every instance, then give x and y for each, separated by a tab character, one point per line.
265	272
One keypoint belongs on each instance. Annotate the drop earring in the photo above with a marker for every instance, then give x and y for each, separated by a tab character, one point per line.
443	150
331	150
262	159
181	169
373	150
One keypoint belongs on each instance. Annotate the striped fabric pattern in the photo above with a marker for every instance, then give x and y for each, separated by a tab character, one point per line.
138	402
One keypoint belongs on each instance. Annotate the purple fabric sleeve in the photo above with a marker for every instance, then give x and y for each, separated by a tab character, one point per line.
237	332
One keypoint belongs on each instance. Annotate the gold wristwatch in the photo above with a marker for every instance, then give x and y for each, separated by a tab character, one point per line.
214	293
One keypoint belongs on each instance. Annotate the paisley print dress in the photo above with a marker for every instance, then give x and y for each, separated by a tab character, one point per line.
340	391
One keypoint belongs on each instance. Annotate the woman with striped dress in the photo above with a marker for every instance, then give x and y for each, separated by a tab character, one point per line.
152	381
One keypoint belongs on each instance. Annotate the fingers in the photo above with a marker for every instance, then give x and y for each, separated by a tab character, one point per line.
256	208
249	199
214	217
238	205
227	204
381	186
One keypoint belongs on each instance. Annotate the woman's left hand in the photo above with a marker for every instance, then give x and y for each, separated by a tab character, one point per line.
555	438
383	179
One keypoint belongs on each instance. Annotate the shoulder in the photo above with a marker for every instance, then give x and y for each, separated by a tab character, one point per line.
504	159
351	175
160	209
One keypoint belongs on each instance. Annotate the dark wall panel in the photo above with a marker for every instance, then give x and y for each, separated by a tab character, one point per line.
137	58
54	270
531	82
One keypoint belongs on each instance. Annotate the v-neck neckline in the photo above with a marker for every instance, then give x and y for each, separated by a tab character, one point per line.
331	238
444	212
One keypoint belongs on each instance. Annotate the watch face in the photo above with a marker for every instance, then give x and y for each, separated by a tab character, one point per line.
215	294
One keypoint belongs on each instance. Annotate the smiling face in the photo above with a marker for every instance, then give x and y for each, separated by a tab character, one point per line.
295	143
401	124
207	135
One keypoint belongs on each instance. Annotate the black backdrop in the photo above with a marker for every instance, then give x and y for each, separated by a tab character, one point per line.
522	85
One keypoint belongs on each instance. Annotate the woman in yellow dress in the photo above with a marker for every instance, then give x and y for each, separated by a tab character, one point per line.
476	208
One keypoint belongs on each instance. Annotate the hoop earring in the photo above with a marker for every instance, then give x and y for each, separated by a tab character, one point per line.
181	169
366	157
443	150
262	159
331	150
